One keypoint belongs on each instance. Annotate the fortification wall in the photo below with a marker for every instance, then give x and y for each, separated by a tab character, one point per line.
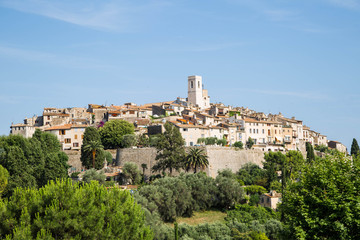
232	158
219	158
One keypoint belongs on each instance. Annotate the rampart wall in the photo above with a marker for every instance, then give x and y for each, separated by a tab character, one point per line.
219	158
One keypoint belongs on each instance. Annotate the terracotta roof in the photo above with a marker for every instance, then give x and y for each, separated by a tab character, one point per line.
65	126
55	114
190	126
157	104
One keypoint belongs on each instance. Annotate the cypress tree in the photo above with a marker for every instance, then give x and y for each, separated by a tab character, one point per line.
310	156
354	148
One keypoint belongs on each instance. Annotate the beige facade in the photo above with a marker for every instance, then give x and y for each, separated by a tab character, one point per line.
270	200
69	135
22	129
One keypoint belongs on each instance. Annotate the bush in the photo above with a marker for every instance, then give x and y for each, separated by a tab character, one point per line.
93	175
238	145
131	173
66	210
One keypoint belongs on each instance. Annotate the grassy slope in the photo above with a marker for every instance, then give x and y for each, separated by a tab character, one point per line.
203	217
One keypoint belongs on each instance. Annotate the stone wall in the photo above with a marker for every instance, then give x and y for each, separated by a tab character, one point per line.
138	156
232	158
219	158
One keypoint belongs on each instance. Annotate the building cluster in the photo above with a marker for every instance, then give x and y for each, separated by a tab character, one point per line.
194	116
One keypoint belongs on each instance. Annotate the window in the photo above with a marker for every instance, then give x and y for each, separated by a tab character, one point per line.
132	112
75	144
191	144
275	131
62	132
191	84
269	132
67	140
263	131
257	130
48	117
185	129
82	136
198	84
75	136
250	130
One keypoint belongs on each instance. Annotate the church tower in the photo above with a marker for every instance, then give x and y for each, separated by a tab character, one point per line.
196	94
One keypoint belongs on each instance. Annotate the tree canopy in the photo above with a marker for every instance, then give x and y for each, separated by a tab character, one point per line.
113	131
196	158
354	148
170	149
91	134
32	162
324	202
66	210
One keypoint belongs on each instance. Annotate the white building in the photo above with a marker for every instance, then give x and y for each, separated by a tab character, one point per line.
196	94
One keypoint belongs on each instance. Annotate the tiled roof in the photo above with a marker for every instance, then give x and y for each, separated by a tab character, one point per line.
65	126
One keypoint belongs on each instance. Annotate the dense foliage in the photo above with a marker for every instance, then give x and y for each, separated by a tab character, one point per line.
131	173
93	175
91	134
252	174
179	196
4	176
324	203
113	132
354	148
238	145
170	150
310	155
64	210
32	162
196	158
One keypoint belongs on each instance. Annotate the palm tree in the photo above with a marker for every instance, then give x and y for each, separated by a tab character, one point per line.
93	146
196	158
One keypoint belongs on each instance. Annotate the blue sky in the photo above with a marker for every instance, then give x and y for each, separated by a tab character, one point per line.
298	57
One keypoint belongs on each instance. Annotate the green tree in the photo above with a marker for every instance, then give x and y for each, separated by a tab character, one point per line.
112	133
93	147
128	140
221	142
354	148
32	162
324	202
250	143
91	134
238	145
144	167
143	140
229	191
53	212
252	174
310	155
131	173
108	157
4	175
196	158
170	150
93	175
272	164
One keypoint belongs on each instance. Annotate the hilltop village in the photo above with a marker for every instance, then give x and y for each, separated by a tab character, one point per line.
195	116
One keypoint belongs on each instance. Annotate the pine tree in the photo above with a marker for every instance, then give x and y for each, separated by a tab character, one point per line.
170	149
354	148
